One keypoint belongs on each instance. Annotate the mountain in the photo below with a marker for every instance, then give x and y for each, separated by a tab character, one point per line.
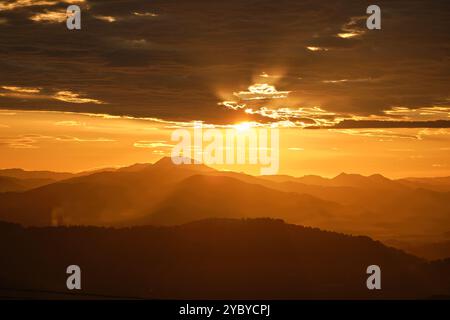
103	198
212	259
200	196
428	250
16	180
440	184
10	184
23	174
167	163
162	193
391	209
405	214
375	181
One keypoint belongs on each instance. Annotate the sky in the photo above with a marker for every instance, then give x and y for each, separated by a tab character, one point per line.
69	141
348	98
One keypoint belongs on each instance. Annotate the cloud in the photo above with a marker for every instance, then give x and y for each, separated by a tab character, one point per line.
145	14
69	123
167	60
312	48
32	141
431	113
433	132
232	105
348	124
71	97
11	5
21	89
261	91
50	16
353	28
19	4
152	144
303	116
20	142
106	18
36	93
383	135
266	75
20	92
340	81
75	139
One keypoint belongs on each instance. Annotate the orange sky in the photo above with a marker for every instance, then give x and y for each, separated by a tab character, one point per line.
349	99
73	142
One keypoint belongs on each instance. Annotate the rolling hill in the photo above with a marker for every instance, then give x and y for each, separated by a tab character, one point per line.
212	259
397	212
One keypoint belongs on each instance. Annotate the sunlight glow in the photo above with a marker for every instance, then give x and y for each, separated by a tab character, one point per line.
244	126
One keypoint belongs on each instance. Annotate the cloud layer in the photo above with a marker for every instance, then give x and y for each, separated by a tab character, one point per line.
178	60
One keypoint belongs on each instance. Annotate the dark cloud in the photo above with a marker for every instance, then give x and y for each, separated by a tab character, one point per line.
178	59
372	124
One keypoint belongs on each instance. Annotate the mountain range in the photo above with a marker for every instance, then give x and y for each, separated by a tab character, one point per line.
410	213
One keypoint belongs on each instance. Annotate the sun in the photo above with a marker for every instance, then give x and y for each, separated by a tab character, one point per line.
243	126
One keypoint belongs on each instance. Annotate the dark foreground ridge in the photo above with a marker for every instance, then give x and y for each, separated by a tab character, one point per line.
211	259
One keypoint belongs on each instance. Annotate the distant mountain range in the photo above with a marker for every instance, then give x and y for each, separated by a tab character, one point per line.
408	213
211	259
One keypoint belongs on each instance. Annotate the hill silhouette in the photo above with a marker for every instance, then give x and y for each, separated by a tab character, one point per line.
129	197
24	174
231	198
226	259
10	184
402	212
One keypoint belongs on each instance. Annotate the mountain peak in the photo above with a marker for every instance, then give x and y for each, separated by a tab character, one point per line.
188	163
348	175
163	161
379	177
135	167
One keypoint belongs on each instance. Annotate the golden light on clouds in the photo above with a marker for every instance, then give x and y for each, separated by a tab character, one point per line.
34	140
261	91
352	29
311	48
68	96
428	113
106	18
346	35
21	89
145	14
11	5
15	4
69	123
36	93
50	16
232	105
152	144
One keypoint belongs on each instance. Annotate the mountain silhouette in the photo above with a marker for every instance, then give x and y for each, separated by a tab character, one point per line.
213	259
10	184
400	212
23	174
225	197
343	180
